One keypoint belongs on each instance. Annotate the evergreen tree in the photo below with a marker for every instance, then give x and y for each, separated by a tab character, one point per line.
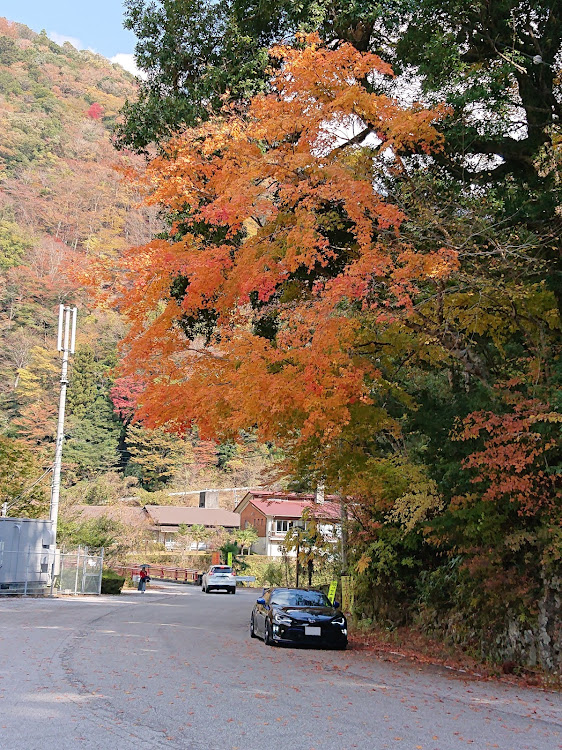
92	440
85	382
93	430
195	55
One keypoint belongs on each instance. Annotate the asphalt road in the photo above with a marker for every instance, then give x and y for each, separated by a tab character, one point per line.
175	668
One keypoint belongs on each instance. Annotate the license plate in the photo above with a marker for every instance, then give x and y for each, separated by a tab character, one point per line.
308	630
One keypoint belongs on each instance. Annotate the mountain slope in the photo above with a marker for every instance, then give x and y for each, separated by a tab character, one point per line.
62	201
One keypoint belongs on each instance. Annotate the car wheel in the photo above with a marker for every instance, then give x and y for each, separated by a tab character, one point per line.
341	646
207	590
268	637
233	590
252	631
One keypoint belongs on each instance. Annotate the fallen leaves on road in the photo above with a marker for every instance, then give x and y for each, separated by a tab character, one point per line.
409	644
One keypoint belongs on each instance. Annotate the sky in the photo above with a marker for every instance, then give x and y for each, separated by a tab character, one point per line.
97	25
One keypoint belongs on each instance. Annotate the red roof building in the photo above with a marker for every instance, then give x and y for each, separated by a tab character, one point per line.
272	514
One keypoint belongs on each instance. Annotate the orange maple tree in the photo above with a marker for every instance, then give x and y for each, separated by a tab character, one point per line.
281	245
514	461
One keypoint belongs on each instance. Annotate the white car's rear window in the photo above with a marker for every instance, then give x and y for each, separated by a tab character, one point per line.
221	569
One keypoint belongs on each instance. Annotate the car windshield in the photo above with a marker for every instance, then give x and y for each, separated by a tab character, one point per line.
221	569
300	599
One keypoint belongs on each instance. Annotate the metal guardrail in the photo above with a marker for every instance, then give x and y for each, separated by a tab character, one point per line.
163	573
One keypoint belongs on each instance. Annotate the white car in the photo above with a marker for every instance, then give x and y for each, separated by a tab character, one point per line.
219	577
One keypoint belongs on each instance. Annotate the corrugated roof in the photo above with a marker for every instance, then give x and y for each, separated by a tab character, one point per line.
294	508
174	515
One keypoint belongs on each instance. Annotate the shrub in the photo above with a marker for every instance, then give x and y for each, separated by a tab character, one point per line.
111	582
274	575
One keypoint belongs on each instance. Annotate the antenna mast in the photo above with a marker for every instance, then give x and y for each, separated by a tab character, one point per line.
65	343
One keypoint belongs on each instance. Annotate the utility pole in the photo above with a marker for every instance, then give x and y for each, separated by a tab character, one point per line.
343	508
65	344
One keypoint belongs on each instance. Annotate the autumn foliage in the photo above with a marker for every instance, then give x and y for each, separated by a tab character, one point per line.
515	460
277	224
323	280
95	111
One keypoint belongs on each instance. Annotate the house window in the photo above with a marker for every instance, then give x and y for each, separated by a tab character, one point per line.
281	527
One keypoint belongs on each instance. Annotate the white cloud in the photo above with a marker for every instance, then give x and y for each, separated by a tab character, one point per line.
127	61
62	38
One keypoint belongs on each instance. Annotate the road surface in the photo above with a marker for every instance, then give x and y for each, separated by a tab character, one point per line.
175	668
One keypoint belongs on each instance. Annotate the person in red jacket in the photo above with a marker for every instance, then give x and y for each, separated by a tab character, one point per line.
143	578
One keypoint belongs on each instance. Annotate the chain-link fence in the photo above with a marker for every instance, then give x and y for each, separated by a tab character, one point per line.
79	572
31	573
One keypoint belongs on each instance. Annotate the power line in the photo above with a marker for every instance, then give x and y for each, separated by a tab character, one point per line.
6	506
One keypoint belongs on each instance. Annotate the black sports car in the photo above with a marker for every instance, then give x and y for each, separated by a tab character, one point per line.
298	616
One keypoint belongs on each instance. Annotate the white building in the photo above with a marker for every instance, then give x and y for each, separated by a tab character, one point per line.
272	514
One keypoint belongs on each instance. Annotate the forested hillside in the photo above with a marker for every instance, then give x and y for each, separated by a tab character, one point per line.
63	204
60	201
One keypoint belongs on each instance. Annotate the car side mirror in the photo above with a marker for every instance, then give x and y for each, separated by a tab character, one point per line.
261	600
336	605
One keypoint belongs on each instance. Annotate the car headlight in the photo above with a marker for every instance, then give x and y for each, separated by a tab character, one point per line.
282	619
339	621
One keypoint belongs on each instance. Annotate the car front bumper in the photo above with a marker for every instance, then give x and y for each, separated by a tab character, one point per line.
330	635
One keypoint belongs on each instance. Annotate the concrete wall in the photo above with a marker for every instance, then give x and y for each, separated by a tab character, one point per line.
209	499
259	547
